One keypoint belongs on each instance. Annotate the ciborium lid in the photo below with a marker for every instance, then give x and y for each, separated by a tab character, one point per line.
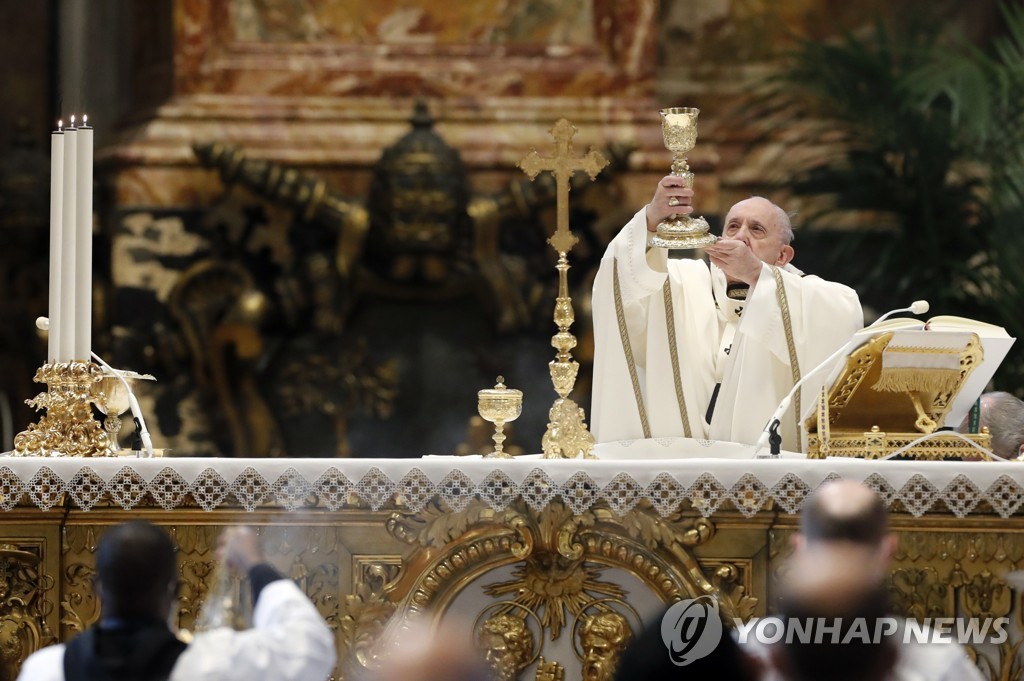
499	391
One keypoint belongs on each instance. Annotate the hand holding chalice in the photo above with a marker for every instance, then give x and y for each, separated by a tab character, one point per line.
679	130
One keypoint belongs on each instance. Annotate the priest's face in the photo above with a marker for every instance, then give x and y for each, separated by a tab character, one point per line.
763	227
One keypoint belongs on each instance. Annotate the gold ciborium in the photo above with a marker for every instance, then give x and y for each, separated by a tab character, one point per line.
679	129
116	401
499	405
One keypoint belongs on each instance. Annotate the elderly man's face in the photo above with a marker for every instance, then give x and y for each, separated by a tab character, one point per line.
756	222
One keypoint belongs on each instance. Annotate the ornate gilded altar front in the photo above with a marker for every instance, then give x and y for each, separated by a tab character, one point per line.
548	565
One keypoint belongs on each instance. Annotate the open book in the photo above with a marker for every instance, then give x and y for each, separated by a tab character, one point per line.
937	333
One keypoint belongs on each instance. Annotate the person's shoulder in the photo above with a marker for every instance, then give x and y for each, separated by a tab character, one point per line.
46	664
834	288
207	656
920	657
934	661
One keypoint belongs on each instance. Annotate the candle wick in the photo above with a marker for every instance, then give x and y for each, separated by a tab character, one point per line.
60	125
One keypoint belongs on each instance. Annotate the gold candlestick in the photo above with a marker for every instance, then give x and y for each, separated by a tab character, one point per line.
499	405
68	427
679	129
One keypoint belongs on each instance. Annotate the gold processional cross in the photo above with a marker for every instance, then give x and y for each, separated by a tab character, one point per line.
567	436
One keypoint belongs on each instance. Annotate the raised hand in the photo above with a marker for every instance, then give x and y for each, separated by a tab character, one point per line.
672	197
239	548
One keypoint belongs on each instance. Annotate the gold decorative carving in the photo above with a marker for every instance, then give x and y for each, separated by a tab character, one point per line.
920	593
23	604
80	607
68	427
603	638
985	595
549	671
507	643
732	579
560	557
367	612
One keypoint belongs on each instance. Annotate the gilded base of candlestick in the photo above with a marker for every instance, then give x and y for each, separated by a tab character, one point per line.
68	427
567	436
682	232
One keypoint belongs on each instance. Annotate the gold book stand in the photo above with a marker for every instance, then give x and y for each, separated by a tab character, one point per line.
875	407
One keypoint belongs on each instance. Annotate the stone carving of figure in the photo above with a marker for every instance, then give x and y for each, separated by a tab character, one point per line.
603	637
507	644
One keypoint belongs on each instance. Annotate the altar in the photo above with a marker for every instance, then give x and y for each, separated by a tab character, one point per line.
555	542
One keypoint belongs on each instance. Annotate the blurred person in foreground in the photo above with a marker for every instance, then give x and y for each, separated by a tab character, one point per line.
847	513
1003	414
137	583
839	569
417	650
648	658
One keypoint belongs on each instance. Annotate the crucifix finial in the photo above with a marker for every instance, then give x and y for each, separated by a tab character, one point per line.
563	164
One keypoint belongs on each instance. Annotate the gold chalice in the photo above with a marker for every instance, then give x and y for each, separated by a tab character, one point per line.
116	401
679	129
499	405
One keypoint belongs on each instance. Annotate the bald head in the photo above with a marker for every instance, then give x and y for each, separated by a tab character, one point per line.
844	510
775	218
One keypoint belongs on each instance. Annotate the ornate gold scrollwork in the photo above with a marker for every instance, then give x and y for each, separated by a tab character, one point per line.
560	561
23	605
367	610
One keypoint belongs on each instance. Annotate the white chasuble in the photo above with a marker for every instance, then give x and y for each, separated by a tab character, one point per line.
658	358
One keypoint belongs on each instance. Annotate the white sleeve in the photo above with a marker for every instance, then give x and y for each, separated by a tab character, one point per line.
640	273
289	641
46	664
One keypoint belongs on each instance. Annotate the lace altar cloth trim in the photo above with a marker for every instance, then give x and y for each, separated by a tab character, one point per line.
705	485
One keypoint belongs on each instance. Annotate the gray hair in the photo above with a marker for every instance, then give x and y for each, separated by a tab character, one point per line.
1003	413
782	220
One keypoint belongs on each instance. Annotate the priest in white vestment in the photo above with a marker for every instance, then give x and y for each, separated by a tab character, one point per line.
687	348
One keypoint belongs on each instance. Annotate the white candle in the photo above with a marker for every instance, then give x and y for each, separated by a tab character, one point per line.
67	247
56	203
83	244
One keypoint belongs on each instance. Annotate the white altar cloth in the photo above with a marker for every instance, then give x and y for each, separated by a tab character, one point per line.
707	485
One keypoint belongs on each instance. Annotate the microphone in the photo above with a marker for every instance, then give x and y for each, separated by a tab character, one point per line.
916	307
770	434
43	324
